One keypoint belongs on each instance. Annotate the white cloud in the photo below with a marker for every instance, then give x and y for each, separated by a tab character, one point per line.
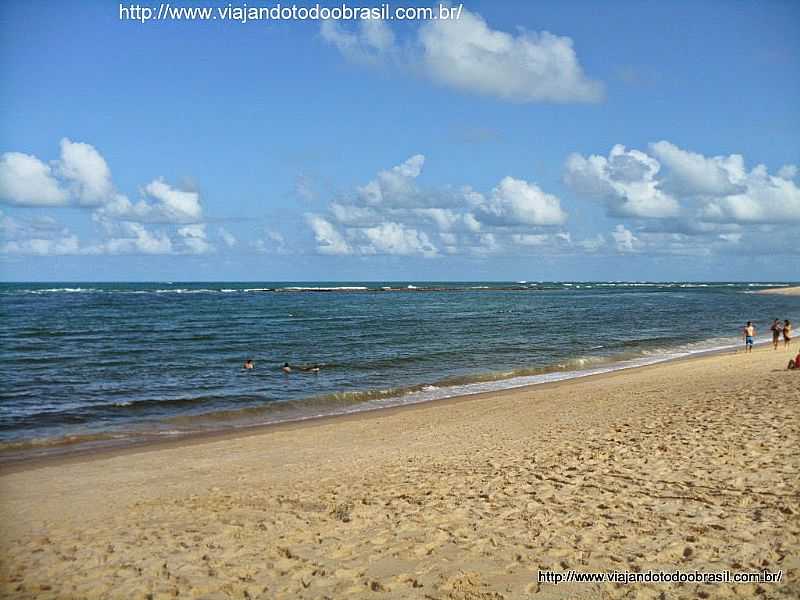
137	240
177	205
370	44
273	242
87	171
227	237
27	181
329	240
627	181
394	238
195	239
43	246
392	214
765	199
352	215
624	239
716	190
162	204
468	55
395	187
787	172
693	174
444	218
517	202
81	177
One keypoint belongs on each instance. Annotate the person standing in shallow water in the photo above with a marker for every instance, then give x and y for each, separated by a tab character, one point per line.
749	334
787	333
777	329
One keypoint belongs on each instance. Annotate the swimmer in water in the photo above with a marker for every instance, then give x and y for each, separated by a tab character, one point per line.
286	368
248	364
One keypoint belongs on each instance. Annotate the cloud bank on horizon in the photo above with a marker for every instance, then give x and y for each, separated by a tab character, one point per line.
671	201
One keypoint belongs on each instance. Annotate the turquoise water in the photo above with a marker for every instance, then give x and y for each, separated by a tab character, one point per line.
108	363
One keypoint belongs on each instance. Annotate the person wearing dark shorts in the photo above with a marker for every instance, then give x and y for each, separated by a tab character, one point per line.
777	329
787	333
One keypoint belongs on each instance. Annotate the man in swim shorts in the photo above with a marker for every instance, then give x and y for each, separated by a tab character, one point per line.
749	333
776	329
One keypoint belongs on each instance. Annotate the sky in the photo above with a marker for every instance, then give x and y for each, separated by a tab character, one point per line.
569	140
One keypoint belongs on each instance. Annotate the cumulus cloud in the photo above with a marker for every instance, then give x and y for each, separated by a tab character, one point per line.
162	203
86	171
627	180
767	199
136	239
713	191
329	240
394	238
517	202
692	174
27	181
395	187
393	214
44	236
176	205
82	178
195	239
468	55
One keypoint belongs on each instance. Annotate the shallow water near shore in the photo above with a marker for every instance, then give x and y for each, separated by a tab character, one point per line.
99	363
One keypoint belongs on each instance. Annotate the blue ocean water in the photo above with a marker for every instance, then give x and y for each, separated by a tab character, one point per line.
111	363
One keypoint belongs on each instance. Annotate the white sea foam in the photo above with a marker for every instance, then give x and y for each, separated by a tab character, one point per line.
358	288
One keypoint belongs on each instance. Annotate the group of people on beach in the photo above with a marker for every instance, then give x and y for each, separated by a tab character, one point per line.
286	368
779	329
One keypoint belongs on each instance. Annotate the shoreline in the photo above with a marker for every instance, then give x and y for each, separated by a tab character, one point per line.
687	465
13	460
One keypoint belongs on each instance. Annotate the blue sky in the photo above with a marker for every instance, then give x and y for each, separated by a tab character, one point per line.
546	140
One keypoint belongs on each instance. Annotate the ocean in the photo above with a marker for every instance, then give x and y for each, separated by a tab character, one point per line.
100	364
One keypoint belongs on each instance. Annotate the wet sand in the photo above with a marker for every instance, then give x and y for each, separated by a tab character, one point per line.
686	465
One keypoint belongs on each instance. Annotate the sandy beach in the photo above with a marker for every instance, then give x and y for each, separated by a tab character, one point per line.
690	465
781	291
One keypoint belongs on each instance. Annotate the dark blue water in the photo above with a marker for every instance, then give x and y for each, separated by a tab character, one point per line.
87	362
